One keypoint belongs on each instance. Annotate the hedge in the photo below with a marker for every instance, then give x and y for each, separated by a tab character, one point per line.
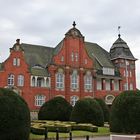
55	109
14	116
125	113
87	110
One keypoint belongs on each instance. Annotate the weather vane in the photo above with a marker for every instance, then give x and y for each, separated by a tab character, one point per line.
119	27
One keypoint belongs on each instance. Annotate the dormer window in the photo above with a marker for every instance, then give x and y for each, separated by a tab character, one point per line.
108	71
16	62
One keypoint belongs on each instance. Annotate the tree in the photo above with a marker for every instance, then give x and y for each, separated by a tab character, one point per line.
14	116
125	113
88	110
55	109
104	108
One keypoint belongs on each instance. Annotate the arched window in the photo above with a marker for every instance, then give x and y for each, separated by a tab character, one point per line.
88	82
40	82
20	80
10	81
33	81
39	100
73	100
74	80
60	80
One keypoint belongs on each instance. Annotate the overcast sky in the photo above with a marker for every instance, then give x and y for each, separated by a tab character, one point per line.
45	22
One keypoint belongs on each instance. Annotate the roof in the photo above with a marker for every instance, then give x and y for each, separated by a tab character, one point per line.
120	49
36	54
38	71
98	53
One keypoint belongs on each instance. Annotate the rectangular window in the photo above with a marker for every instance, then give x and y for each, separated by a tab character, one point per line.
60	80
108	71
116	85
16	62
107	84
99	84
88	82
74	81
20	80
39	100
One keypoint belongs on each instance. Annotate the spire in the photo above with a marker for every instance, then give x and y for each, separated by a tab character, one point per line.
119	35
74	24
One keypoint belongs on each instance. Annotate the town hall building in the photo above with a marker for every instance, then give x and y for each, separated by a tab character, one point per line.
73	69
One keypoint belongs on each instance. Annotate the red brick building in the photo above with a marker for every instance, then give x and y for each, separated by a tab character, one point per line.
73	69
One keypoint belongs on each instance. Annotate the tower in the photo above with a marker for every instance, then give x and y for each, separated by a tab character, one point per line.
124	60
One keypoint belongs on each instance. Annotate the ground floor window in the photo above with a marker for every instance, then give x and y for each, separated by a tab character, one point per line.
73	100
39	100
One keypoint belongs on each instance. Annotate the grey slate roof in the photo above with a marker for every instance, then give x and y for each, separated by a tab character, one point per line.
36	71
37	55
98	53
120	49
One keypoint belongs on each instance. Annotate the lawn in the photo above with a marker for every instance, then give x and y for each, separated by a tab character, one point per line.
101	131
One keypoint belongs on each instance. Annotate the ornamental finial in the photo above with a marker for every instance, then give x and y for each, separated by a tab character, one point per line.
74	24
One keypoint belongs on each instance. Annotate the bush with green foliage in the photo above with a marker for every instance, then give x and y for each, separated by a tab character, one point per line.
125	113
14	116
55	109
104	108
87	110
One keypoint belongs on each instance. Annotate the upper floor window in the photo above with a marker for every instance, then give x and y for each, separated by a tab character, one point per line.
60	80
10	81
108	71
72	56
73	100
88	81
20	80
16	62
74	80
39	100
76	57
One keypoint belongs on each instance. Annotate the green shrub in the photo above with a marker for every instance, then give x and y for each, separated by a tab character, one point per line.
55	109
14	116
85	127
104	108
125	113
39	127
87	110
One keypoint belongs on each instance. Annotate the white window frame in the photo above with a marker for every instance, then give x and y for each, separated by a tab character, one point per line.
88	82
39	100
20	80
73	100
10	80
60	81
74	81
108	71
16	61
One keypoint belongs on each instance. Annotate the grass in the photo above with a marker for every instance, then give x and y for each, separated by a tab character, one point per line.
101	131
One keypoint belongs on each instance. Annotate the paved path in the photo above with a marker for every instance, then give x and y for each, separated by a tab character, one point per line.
91	138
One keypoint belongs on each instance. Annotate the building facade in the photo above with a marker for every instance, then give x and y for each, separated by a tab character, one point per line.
74	69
